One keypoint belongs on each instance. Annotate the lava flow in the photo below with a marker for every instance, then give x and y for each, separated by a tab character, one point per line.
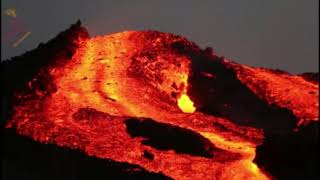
125	95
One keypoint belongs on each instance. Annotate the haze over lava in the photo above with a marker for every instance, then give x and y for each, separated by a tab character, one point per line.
157	100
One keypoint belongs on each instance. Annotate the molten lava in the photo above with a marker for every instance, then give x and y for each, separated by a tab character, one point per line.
185	104
292	92
132	74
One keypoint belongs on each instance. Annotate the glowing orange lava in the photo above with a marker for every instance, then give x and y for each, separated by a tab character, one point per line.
135	74
283	89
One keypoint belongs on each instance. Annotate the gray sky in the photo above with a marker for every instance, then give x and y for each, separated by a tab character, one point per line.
281	34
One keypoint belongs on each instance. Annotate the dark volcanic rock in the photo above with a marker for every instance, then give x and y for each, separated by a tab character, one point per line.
50	162
226	96
148	155
165	137
291	156
311	77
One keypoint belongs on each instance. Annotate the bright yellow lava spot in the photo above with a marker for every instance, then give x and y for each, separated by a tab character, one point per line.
185	104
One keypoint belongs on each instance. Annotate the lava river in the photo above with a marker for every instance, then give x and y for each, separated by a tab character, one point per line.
123	95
